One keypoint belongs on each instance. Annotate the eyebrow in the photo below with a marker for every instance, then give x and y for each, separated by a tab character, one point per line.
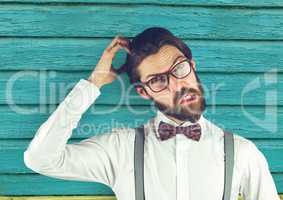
176	59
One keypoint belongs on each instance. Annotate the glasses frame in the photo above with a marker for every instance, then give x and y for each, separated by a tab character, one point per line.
167	73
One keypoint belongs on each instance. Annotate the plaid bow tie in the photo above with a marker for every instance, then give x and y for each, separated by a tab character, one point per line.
167	131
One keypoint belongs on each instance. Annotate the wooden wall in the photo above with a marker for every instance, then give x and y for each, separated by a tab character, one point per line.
46	46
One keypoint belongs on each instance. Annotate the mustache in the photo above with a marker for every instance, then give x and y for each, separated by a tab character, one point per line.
180	94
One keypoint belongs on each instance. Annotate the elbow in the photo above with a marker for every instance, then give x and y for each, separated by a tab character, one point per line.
40	164
36	163
30	162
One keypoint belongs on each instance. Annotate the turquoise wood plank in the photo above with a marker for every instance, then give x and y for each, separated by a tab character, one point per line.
85	21
39	185
50	87
82	54
61	197
248	121
34	184
254	3
279	182
11	152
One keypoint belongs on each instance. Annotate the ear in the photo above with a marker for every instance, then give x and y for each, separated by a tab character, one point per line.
193	64
142	92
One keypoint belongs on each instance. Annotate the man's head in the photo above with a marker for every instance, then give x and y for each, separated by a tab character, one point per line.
154	52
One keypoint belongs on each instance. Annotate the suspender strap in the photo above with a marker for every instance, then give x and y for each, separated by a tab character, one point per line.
229	163
139	163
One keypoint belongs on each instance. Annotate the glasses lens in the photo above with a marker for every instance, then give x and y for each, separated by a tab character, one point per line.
158	82
182	69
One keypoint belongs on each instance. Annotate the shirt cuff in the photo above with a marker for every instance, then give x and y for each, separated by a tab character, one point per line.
81	97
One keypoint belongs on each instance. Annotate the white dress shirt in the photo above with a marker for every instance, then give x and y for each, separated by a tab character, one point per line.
175	169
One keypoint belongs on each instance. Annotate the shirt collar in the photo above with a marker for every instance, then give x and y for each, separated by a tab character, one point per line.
160	116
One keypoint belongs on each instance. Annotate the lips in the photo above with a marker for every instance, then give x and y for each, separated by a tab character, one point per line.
189	97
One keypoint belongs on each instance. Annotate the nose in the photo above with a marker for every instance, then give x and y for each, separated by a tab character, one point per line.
176	84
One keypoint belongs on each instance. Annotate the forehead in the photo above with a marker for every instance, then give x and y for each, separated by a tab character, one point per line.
159	62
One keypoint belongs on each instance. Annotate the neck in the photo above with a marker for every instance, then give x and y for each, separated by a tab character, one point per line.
178	121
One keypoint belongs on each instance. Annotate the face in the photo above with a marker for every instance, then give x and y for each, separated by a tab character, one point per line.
173	101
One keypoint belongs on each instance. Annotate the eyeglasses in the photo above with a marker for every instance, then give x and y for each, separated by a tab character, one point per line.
161	81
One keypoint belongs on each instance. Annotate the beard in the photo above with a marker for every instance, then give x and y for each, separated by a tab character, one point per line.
187	112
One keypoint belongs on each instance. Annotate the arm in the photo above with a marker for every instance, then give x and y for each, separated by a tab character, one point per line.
257	182
50	155
93	159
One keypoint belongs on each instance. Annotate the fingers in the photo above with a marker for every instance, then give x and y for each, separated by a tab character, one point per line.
117	43
104	71
113	71
125	43
119	40
113	43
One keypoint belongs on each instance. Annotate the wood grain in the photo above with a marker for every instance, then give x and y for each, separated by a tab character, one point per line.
75	54
55	20
250	3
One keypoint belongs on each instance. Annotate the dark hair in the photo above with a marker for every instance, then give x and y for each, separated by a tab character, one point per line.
146	43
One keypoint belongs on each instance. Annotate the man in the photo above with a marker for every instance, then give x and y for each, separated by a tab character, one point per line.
176	166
